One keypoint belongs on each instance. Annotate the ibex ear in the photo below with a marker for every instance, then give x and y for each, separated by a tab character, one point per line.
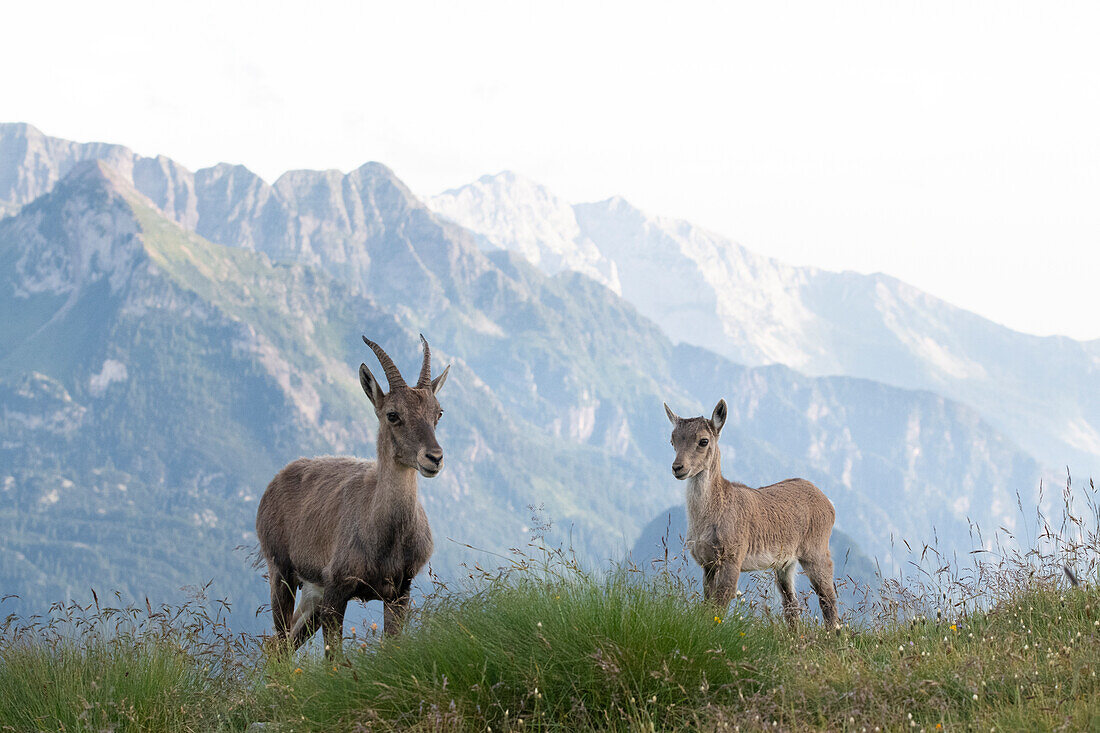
672	416
437	383
718	419
371	386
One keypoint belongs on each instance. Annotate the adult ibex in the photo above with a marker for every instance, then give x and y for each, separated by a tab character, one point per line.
345	528
733	528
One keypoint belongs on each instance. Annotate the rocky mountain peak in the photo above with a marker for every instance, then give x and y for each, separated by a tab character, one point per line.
31	163
517	214
81	232
96	174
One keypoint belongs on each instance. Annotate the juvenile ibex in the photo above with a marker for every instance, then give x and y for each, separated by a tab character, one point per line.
733	528
345	528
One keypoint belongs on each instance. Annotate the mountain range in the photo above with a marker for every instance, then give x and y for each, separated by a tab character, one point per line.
171	338
1042	392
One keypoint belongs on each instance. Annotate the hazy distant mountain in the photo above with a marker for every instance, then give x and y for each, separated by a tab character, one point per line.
521	216
704	289
152	381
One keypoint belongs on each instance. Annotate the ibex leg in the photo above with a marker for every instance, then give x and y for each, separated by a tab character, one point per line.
307	605
397	609
282	598
820	573
332	624
784	578
709	574
306	626
725	584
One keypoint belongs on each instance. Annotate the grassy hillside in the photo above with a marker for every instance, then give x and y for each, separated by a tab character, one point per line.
1006	640
575	653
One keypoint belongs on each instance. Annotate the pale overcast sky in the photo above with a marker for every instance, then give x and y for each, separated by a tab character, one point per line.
954	145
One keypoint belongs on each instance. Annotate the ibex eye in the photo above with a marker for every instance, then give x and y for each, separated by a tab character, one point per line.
392	417
704	443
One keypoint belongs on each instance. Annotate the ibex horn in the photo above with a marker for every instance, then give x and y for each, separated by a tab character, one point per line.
426	368
393	376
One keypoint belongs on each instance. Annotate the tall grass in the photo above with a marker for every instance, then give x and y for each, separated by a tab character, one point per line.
1004	638
539	652
119	668
1028	665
